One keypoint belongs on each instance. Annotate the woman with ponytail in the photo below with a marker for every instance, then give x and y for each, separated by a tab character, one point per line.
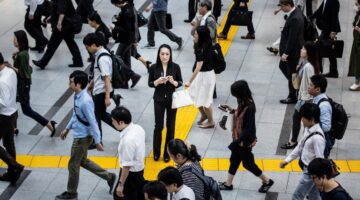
187	161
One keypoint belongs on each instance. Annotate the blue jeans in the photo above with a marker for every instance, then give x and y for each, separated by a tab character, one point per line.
306	187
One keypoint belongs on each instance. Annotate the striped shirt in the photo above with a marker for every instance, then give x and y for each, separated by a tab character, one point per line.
191	180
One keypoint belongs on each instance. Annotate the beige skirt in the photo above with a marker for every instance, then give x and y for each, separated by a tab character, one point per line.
202	89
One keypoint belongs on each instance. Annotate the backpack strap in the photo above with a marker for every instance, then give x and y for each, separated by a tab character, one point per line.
101	55
322	100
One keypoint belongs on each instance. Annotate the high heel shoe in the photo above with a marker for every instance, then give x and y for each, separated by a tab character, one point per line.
53	123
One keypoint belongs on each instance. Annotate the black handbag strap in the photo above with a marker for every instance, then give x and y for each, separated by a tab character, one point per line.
78	118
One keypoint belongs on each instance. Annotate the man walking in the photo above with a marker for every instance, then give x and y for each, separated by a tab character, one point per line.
84	129
131	156
8	115
158	17
291	41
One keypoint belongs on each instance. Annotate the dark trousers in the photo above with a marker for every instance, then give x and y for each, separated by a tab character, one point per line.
192	8
159	108
33	27
133	187
160	19
84	8
55	40
100	111
330	141
135	53
28	111
332	59
245	156
227	26
308	6
8	155
125	51
287	68
296	126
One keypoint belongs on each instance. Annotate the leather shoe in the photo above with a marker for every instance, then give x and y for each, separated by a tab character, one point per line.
288	101
331	75
273	50
166	158
76	65
16	175
156	157
39	49
135	79
248	37
38	63
5	177
187	20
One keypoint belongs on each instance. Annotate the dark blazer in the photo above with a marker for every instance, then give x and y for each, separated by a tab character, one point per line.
328	21
164	91
292	35
126	29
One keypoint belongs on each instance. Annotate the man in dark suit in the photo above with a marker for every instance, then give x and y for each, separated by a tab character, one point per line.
291	42
327	20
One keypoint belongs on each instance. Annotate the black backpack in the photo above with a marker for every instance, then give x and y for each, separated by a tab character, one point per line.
339	189
118	78
310	31
211	187
218	59
339	119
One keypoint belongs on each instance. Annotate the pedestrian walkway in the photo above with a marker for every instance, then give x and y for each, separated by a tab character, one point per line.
46	158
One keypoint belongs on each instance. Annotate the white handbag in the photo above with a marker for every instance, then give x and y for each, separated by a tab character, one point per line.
181	98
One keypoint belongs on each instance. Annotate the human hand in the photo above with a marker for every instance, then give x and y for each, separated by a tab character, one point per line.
188	84
107	101
64	134
99	147
284	57
242	4
333	35
31	17
283	164
119	190
59	27
357	28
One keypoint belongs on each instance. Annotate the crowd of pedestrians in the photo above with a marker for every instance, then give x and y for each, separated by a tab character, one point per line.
94	92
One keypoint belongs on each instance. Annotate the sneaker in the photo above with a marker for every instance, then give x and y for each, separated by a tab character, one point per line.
67	196
266	186
111	182
275	51
248	37
149	46
180	43
354	87
222	186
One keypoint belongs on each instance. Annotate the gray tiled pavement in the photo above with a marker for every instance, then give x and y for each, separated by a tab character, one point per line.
246	60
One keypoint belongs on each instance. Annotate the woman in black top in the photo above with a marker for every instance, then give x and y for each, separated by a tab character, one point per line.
187	161
239	5
24	70
202	81
244	137
165	77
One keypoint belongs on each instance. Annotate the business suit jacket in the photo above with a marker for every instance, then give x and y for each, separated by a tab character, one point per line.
292	35
328	21
164	91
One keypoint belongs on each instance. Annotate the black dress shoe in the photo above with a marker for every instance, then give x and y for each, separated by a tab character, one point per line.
187	20
135	79
39	49
331	75
16	175
5	177
116	98
39	64
76	65
288	101
166	158
53	124
156	157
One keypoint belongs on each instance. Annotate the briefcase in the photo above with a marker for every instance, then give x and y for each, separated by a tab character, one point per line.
168	25
241	18
142	20
328	48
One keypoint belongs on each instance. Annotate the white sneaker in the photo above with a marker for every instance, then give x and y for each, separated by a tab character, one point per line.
354	87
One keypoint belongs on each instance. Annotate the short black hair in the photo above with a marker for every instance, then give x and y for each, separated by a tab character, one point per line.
121	114
80	77
1	59
155	189
93	38
310	111
320	167
319	81
206	3
286	3
170	175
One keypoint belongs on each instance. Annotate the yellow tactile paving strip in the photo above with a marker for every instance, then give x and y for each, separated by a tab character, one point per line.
152	168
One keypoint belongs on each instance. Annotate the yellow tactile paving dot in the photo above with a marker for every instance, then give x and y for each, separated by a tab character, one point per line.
45	161
354	165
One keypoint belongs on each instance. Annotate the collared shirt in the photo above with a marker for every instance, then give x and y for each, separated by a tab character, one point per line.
8	85
292	10
132	147
203	19
84	107
33	5
159	5
306	71
184	193
325	112
105	65
312	148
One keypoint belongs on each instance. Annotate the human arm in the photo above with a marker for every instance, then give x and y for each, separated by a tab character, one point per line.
87	109
149	8
60	21
33	5
120	188
293	38
105	66
107	90
325	116
248	135
194	74
318	143
177	81
334	9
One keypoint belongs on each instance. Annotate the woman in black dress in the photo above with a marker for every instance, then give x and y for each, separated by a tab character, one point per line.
165	77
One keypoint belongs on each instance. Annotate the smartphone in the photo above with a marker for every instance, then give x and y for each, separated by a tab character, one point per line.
223	108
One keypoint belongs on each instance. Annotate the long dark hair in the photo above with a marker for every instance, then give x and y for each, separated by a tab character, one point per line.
22	40
158	61
177	146
313	55
240	89
204	41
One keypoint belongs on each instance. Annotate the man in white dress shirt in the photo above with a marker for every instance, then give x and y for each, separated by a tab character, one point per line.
8	115
131	156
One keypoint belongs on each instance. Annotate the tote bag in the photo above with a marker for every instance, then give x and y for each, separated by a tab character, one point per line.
181	98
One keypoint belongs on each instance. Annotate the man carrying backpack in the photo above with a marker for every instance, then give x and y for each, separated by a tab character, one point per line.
317	89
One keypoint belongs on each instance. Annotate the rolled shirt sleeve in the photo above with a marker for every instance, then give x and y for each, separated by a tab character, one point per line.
128	155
